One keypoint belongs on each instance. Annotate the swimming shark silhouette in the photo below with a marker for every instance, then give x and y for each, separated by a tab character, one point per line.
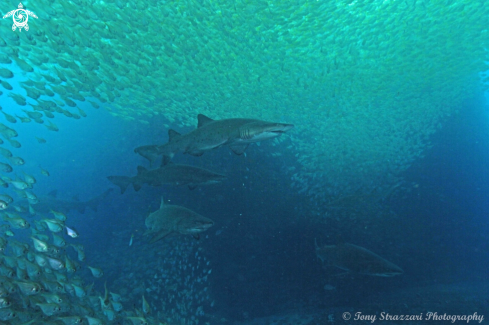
237	133
174	174
175	219
52	202
357	260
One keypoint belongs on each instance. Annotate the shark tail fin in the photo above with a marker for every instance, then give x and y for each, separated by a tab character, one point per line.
121	181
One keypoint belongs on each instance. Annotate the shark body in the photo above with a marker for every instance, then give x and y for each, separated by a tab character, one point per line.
174	174
237	133
52	202
357	260
170	219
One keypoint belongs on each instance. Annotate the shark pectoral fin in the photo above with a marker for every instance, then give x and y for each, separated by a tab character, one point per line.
192	186
239	149
159	236
196	236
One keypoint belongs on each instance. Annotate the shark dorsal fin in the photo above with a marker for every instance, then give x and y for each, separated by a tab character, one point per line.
141	170
172	134
162	204
203	120
53	193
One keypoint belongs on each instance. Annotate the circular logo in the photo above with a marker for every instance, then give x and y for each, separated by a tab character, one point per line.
20	18
346	315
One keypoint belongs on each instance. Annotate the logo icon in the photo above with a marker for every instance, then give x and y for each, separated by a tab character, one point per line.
20	17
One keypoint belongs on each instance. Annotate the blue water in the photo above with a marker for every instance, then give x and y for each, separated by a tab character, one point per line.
261	247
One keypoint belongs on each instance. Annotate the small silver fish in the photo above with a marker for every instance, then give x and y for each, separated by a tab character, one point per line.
55	263
53	224
44	172
39	245
29	288
49	309
71	320
146	306
93	321
96	272
59	215
20	185
71	232
58	241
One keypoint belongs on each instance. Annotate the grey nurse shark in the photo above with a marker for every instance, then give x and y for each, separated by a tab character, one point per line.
171	173
237	133
175	219
52	202
356	260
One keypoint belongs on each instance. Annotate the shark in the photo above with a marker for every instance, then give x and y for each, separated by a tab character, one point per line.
237	133
357	260
175	174
52	202
149	152
175	219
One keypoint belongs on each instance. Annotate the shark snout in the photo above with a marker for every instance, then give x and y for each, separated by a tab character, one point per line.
281	128
200	226
258	131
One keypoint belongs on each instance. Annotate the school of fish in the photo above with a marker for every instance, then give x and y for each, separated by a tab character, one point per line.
361	78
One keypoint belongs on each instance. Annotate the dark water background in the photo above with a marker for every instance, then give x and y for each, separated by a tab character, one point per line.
262	244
